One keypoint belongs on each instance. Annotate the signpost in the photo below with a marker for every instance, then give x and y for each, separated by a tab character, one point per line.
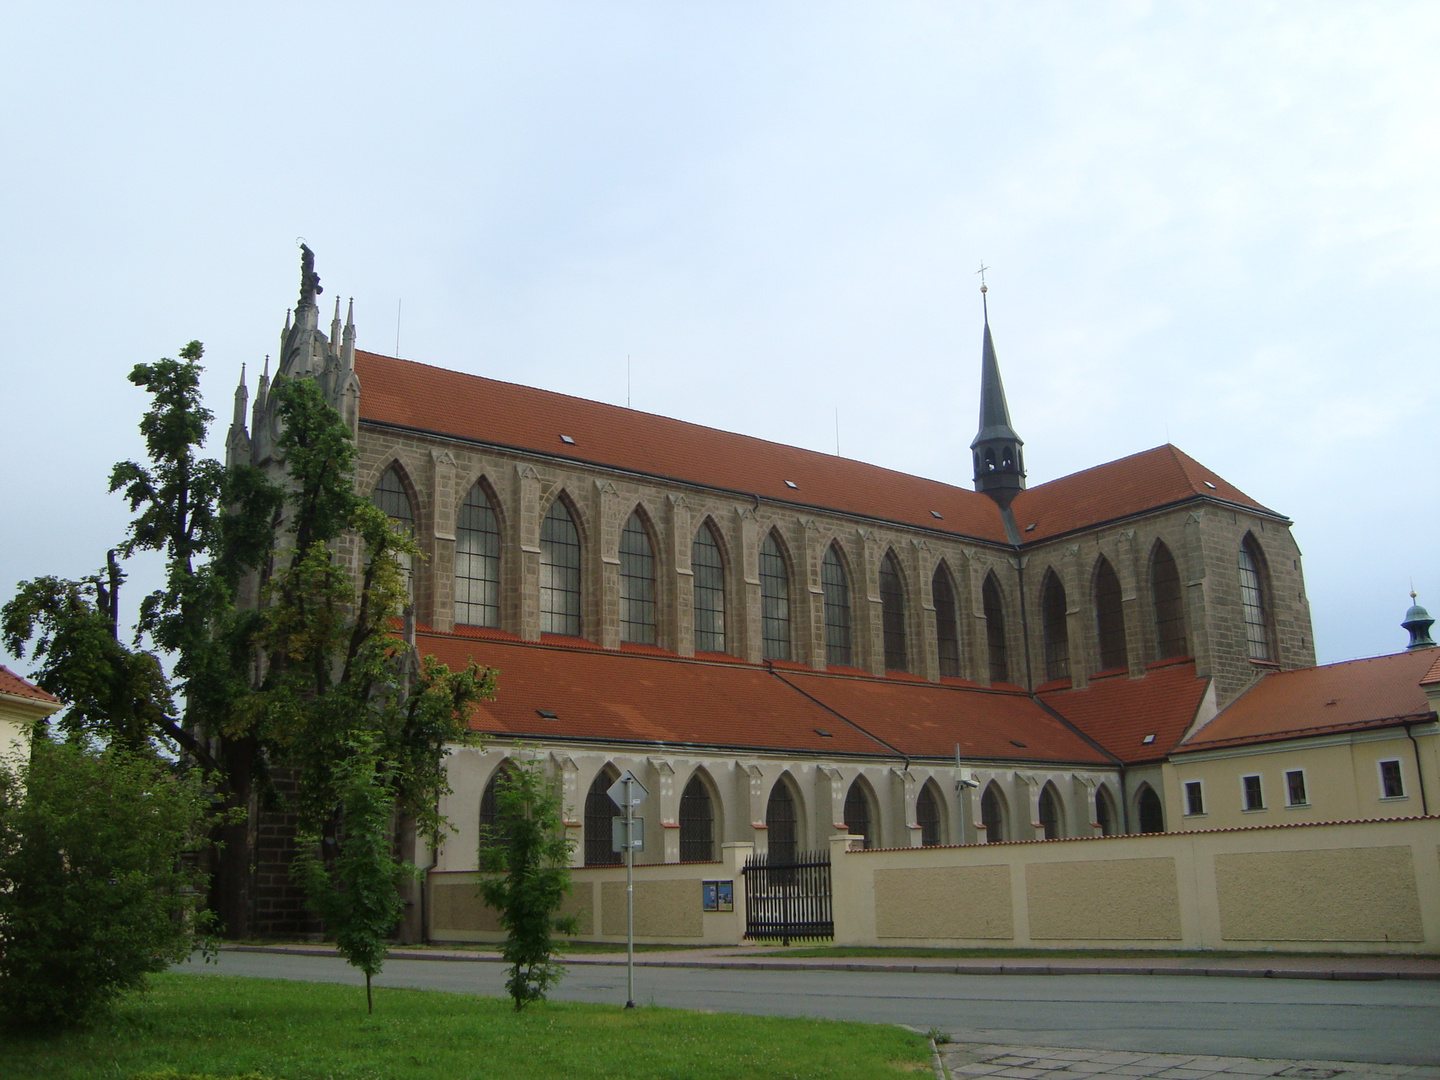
627	793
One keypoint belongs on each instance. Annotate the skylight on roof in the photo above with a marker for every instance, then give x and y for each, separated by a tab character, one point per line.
567	440
1148	739
1031	526
791	484
1211	486
937	515
1016	742
823	733
546	714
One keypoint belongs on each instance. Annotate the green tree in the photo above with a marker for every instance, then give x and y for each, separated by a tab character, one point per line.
358	893
94	892
525	858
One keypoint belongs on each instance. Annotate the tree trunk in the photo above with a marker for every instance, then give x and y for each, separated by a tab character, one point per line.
231	887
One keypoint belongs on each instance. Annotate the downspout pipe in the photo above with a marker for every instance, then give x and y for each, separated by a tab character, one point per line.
1419	769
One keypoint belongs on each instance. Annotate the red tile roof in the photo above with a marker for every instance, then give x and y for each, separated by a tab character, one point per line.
15	686
424	398
1144	481
1118	711
639	697
1356	694
1432	677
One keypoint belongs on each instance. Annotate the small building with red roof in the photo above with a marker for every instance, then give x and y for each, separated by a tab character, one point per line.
22	705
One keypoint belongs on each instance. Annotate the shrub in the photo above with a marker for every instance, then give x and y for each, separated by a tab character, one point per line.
94	891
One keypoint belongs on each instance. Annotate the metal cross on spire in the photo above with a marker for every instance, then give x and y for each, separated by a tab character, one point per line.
983	290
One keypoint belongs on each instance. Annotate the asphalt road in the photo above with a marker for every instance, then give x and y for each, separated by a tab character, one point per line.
1391	1021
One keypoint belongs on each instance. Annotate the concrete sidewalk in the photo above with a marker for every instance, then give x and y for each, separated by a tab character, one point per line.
769	959
974	1061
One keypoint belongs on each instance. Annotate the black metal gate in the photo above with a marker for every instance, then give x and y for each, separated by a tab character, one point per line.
788	898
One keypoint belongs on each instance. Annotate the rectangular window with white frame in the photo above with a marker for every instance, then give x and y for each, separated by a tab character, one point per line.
1392	780
1295	794
1252	793
1194	798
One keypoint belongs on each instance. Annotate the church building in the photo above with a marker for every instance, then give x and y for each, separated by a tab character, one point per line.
784	644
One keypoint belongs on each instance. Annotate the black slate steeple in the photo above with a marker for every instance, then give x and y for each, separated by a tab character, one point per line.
999	459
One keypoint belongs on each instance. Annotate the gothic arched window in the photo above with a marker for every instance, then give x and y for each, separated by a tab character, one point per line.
1057	633
995	629
1169	607
992	814
559	572
599	809
774	601
488	803
892	613
837	609
709	577
1051	820
394	502
1152	813
857	814
947	631
1105	811
1253	601
477	562
782	823
927	815
697	823
1110	618
637	584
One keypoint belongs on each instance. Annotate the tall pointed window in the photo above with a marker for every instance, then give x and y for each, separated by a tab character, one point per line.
599	809
1110	618
992	815
559	572
927	815
477	562
1252	599
1050	815
857	814
697	823
709	571
637	584
995	630
892	613
837	609
1169	609
774	601
1152	811
782	824
1056	632
394	502
947	633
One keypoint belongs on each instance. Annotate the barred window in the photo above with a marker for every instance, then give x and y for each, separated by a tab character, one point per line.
697	823
709	571
1110	618
774	601
995	629
1169	608
837	609
390	496
477	562
559	572
637	584
1050	819
1252	599
599	809
992	813
857	814
927	815
1057	633
782	824
947	633
892	613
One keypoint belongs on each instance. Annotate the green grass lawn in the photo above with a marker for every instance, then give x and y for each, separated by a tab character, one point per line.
222	1027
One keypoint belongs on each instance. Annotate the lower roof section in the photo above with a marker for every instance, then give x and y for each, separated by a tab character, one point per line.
1137	720
635	697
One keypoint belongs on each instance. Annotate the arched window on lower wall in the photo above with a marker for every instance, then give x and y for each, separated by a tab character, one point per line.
782	822
1105	815
1052	816
1152	812
858	818
992	814
599	809
928	816
487	803
697	823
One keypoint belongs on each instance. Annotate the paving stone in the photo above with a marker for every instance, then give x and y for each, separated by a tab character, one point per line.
1016	1073
978	1069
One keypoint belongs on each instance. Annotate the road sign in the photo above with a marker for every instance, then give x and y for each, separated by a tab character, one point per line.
617	834
638	793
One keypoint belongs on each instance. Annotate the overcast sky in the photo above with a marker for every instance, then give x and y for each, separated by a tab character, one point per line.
1216	225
